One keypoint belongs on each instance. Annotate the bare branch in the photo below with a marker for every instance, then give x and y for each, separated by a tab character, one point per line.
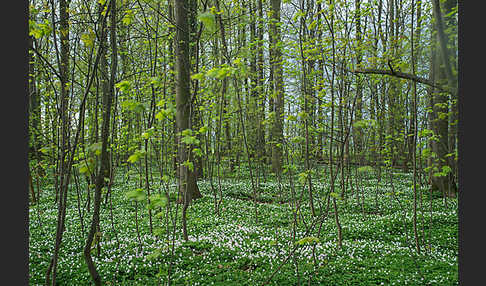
401	75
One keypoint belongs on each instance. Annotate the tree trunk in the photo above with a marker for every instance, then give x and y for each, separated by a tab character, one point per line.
358	134
439	102
446	74
94	232
62	187
278	91
187	180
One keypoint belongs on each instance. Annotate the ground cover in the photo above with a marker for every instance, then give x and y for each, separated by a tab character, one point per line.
233	249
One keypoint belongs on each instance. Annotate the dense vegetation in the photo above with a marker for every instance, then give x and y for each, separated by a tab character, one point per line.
243	142
232	249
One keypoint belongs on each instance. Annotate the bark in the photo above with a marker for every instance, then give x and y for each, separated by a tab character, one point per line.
224	86
94	232
278	91
403	75
62	187
34	106
440	105
307	111
358	134
253	98
31	188
443	41
414	136
261	93
331	169
197	116
187	180
446	71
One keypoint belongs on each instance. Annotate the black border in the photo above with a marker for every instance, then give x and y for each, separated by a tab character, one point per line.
14	117
471	111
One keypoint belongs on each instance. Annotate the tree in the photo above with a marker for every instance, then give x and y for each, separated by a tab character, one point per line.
278	87
187	179
103	173
62	190
445	182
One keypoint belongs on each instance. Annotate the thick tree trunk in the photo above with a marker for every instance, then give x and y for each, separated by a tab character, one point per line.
187	179
440	105
446	74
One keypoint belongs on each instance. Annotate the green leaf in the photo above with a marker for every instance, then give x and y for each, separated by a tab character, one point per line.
38	30
365	169
148	134
213	11
360	124
158	231
302	177
157	201
212	72
83	169
161	103
298	139
292	118
154	255
45	150
303	115
165	178
186	132
307	240
132	105
312	25
128	17
137	195
222	73
197	76
334	195
133	158
123	85
96	148
189	165
158	216
446	169
88	38
190	140
209	21
198	152
203	129
159	116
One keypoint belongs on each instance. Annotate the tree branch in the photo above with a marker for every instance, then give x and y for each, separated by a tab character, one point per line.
401	75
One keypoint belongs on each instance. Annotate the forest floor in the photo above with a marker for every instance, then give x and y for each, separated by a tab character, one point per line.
378	246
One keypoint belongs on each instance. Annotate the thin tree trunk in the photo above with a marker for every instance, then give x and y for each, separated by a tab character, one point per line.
415	123
105	161
277	66
62	187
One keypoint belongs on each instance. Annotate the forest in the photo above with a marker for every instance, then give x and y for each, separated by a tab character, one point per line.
243	142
